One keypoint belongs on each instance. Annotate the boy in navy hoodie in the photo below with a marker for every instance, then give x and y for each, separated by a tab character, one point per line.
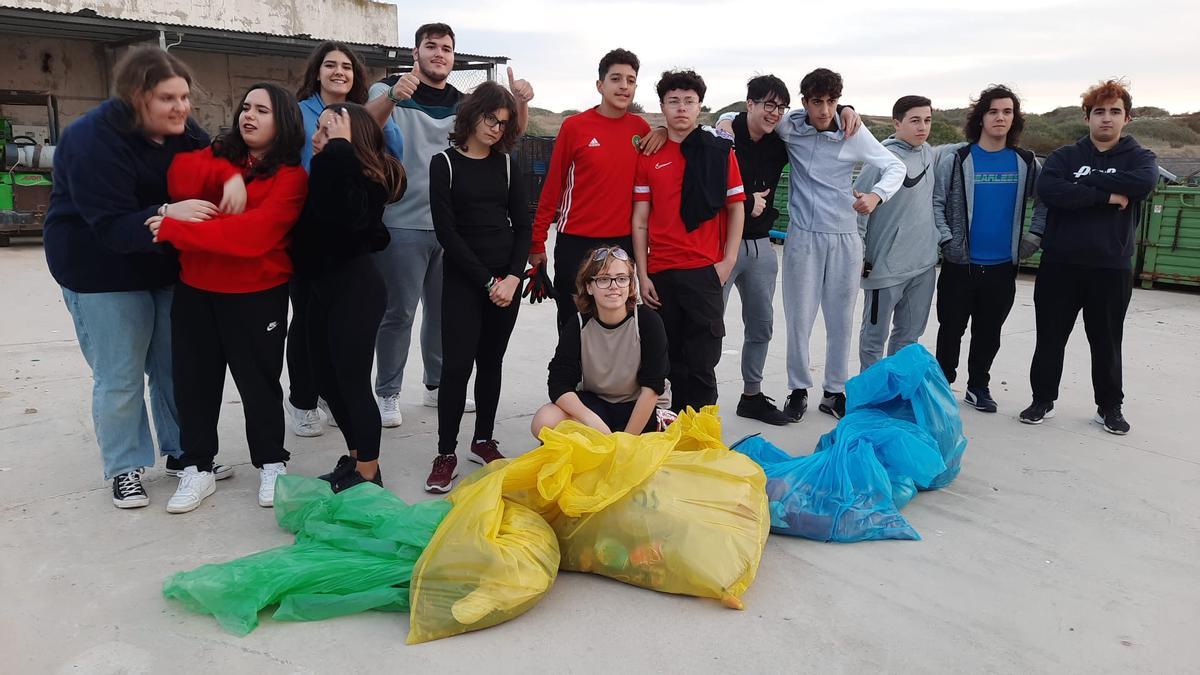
1093	190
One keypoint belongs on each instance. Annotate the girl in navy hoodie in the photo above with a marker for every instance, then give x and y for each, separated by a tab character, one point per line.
231	302
110	175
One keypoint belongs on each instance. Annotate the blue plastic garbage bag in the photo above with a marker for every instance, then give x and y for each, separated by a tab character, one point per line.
909	455
841	494
909	385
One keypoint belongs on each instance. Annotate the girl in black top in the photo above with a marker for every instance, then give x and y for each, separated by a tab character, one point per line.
351	178
611	364
481	219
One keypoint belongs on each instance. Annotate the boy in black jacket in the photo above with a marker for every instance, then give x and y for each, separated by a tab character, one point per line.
1093	189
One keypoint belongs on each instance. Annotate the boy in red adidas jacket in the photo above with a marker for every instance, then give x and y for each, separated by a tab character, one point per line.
588	186
231	302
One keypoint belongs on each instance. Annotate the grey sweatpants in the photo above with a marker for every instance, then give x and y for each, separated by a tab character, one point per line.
754	275
904	307
412	272
820	269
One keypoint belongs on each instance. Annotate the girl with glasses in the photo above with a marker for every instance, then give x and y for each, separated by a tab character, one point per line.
611	365
481	219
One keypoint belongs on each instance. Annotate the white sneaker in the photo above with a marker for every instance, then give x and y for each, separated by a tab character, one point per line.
389	411
431	401
266	482
305	423
194	487
324	408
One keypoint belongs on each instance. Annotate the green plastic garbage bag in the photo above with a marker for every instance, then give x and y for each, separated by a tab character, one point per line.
354	551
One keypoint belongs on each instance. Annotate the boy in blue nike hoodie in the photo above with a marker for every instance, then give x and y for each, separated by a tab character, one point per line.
1093	189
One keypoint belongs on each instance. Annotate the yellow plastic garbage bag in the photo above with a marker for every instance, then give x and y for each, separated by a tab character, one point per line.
675	511
491	560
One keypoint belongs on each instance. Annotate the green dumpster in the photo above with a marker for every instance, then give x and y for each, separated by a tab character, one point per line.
1170	245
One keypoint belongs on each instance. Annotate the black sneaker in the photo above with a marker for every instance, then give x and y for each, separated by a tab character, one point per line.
762	408
796	404
219	471
345	465
1112	419
980	398
128	492
1037	412
833	404
353	477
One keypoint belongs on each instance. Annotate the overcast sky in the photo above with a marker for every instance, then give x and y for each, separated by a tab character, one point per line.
1048	50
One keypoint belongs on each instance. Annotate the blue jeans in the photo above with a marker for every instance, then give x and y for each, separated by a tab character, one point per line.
125	336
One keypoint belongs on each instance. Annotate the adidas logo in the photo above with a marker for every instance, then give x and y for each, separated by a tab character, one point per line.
594	144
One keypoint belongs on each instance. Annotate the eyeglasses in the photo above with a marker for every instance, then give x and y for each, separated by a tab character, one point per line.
772	106
688	102
621	280
494	122
616	251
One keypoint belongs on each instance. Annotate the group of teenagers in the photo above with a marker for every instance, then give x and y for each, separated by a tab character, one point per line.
178	256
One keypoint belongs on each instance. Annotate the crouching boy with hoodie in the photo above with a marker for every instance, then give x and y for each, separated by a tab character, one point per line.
1093	189
900	240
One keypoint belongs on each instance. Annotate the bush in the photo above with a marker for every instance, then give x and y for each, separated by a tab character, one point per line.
1163	131
1150	111
637	108
569	111
880	131
941	133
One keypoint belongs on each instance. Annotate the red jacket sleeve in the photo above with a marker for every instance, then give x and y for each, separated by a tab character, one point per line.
734	190
261	228
199	175
552	189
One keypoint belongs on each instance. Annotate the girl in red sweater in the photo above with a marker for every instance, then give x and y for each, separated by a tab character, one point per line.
231	302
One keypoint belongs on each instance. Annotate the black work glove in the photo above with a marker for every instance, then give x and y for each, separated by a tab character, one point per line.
537	284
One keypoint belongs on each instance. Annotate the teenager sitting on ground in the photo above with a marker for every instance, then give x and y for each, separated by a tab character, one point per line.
611	365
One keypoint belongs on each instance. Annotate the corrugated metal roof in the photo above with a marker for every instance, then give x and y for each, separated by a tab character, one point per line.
90	26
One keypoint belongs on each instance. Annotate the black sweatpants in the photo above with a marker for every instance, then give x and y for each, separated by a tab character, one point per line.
1059	294
983	295
241	331
570	252
303	391
475	332
693	313
344	311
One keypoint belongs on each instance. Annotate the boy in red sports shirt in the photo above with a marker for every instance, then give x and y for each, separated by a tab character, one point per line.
687	225
587	190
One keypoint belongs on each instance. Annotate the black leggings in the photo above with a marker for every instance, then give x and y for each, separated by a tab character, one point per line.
474	332
344	312
303	391
243	331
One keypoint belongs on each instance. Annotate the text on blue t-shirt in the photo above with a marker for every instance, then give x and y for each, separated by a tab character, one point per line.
995	203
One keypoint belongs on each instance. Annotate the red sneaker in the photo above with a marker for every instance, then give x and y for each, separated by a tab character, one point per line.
485	452
443	474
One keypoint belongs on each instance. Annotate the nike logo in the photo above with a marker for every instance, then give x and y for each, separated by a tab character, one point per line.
910	181
271	326
659	166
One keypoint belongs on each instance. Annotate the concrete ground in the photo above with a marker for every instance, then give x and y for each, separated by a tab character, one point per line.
1060	548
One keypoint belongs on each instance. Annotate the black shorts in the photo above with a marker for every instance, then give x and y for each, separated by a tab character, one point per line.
615	415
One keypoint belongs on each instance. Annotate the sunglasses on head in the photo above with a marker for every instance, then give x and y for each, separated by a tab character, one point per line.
616	251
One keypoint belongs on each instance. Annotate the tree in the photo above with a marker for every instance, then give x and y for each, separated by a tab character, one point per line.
941	133
636	108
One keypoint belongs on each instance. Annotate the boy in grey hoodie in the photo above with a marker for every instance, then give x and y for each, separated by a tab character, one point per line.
901	240
823	253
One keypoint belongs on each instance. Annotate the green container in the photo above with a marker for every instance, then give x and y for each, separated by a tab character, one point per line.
779	231
6	203
1170	248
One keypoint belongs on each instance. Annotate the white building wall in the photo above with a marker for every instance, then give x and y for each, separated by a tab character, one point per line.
362	21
